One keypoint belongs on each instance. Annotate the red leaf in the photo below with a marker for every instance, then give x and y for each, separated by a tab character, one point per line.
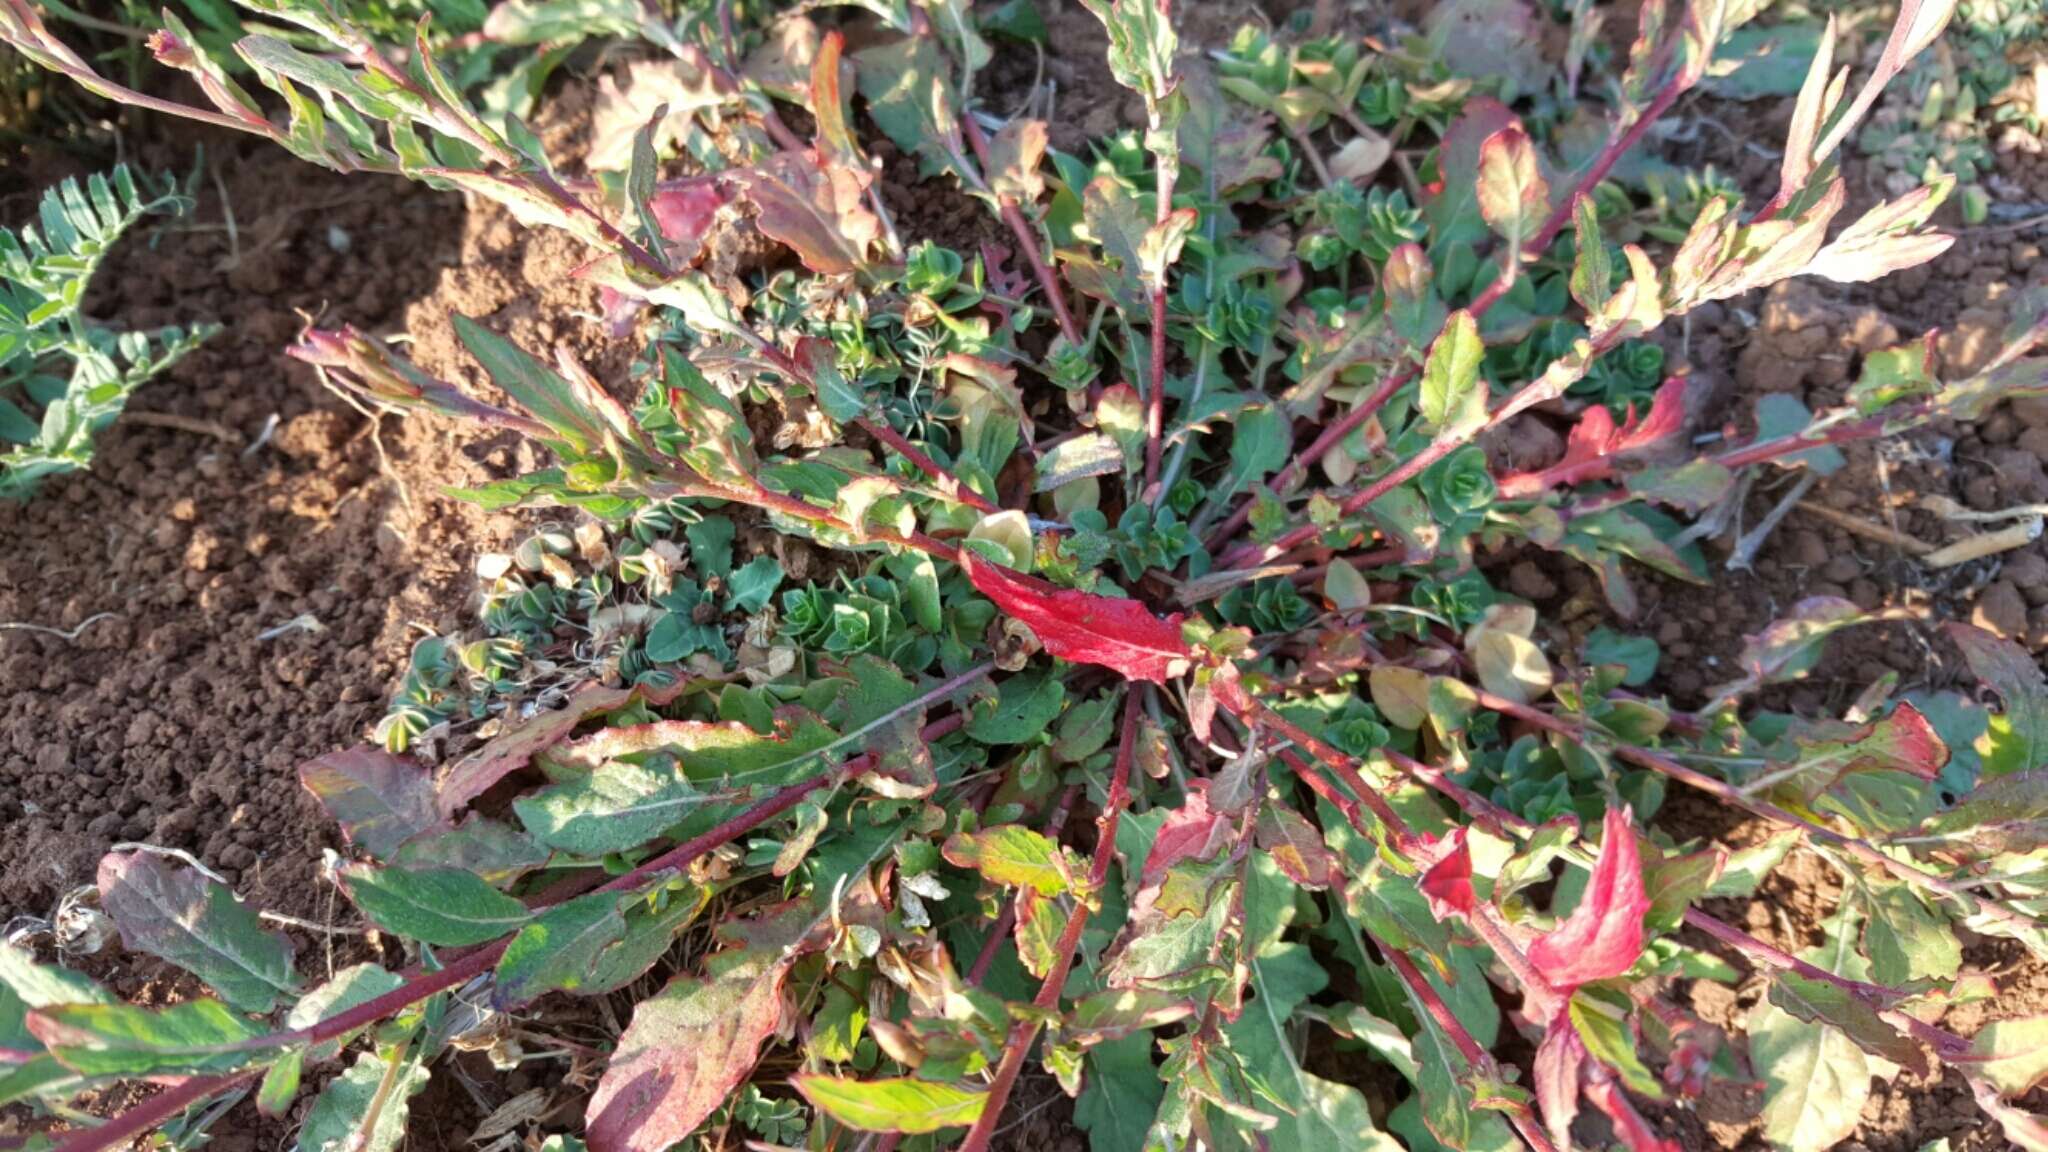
1604	935
1447	875
815	207
685	215
380	800
1902	742
1558	1059
1085	628
1192	831
1596	439
696	1040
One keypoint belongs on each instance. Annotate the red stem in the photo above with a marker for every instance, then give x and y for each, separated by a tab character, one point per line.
1425	993
949	485
1023	1032
1012	212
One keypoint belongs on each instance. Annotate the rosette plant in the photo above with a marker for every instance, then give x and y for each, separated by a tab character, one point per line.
1157	712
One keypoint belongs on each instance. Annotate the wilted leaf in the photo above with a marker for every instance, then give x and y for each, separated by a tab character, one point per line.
815	207
1446	879
892	1105
1512	194
1192	831
687	85
512	750
380	800
1453	212
173	912
1122	635
686	1049
1596	438
1295	845
1014	155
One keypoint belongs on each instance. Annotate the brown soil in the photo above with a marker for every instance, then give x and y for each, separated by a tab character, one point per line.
178	713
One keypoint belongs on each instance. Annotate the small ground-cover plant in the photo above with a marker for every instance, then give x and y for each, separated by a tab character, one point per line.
64	377
1086	566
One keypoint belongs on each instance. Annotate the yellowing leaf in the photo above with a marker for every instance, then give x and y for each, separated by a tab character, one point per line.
892	1105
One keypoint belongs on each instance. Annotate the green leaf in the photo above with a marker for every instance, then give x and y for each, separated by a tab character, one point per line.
123	1040
1747	867
1906	940
2018	739
1011	854
38	1077
1453	397
177	914
649	934
711	546
1819	1002
358	1112
533	385
1674	883
560	949
1603	1026
1324	1113
892	1105
1815	1080
1592	280
620	806
1637	654
281	1083
496	852
750	588
441	906
1120	1093
41	986
1026	705
351	987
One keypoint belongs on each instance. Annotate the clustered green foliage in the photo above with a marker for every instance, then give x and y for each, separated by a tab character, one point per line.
1150	719
63	376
